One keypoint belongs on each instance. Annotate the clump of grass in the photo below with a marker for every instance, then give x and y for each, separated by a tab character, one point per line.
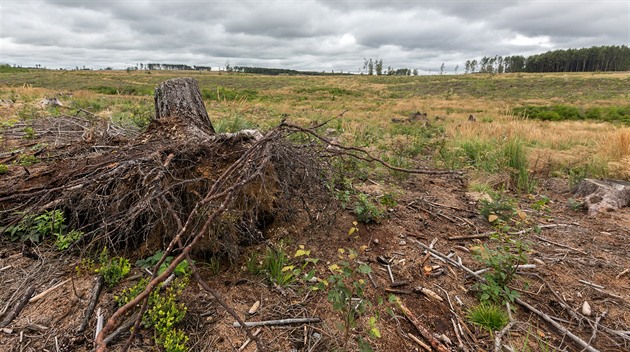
488	316
233	123
516	161
228	94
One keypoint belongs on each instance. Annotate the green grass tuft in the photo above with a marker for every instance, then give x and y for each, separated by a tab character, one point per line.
488	316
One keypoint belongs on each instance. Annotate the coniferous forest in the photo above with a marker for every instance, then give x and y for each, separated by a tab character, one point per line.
597	58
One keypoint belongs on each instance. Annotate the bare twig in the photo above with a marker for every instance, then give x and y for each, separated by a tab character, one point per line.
43	294
419	342
246	343
277	322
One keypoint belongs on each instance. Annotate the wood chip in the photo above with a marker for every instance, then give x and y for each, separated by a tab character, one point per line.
254	308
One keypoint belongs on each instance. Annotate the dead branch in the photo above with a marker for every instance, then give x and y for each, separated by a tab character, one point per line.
277	322
361	154
435	343
419	342
250	336
18	307
96	292
124	327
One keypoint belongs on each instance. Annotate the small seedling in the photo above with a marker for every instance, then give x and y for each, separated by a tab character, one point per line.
64	241
346	292
575	205
366	211
503	258
163	314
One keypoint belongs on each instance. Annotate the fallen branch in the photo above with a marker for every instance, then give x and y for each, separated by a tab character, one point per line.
43	294
96	292
548	319
250	324
588	283
124	327
364	155
560	245
435	343
499	336
420	343
18	307
229	309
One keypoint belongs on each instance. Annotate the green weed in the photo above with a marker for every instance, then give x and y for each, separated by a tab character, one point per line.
27	160
34	228
182	269
163	314
575	205
29	132
112	269
64	241
234	123
503	259
229	94
517	162
502	206
366	210
346	292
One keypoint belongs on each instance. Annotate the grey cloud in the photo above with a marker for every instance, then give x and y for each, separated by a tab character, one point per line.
313	35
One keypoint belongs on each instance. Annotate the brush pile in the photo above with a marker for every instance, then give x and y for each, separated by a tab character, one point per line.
123	188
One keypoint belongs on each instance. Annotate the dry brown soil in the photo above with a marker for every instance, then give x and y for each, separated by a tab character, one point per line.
592	249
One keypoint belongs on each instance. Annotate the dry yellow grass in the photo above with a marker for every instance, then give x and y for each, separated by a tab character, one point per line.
372	102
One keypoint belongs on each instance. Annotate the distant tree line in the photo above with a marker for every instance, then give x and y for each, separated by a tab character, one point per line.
375	67
278	71
153	66
597	58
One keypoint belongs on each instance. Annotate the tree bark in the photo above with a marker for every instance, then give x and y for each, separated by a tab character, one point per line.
180	98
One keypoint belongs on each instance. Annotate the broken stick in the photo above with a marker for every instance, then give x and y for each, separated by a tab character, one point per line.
43	294
18	307
250	324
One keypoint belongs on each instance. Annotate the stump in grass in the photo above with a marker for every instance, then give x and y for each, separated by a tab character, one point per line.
181	98
603	195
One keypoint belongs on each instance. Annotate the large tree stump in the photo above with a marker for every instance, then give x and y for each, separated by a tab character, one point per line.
604	195
180	98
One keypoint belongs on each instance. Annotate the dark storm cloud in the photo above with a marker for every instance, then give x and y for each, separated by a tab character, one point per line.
313	35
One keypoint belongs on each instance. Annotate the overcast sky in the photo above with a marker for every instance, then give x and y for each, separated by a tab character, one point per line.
304	35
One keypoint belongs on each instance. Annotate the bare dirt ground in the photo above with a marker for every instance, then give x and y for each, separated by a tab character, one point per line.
575	251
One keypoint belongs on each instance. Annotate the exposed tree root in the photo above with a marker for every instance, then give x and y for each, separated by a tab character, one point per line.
208	193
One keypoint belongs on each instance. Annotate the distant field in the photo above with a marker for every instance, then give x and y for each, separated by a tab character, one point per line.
502	105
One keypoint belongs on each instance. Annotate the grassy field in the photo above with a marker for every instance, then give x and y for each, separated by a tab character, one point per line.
580	146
